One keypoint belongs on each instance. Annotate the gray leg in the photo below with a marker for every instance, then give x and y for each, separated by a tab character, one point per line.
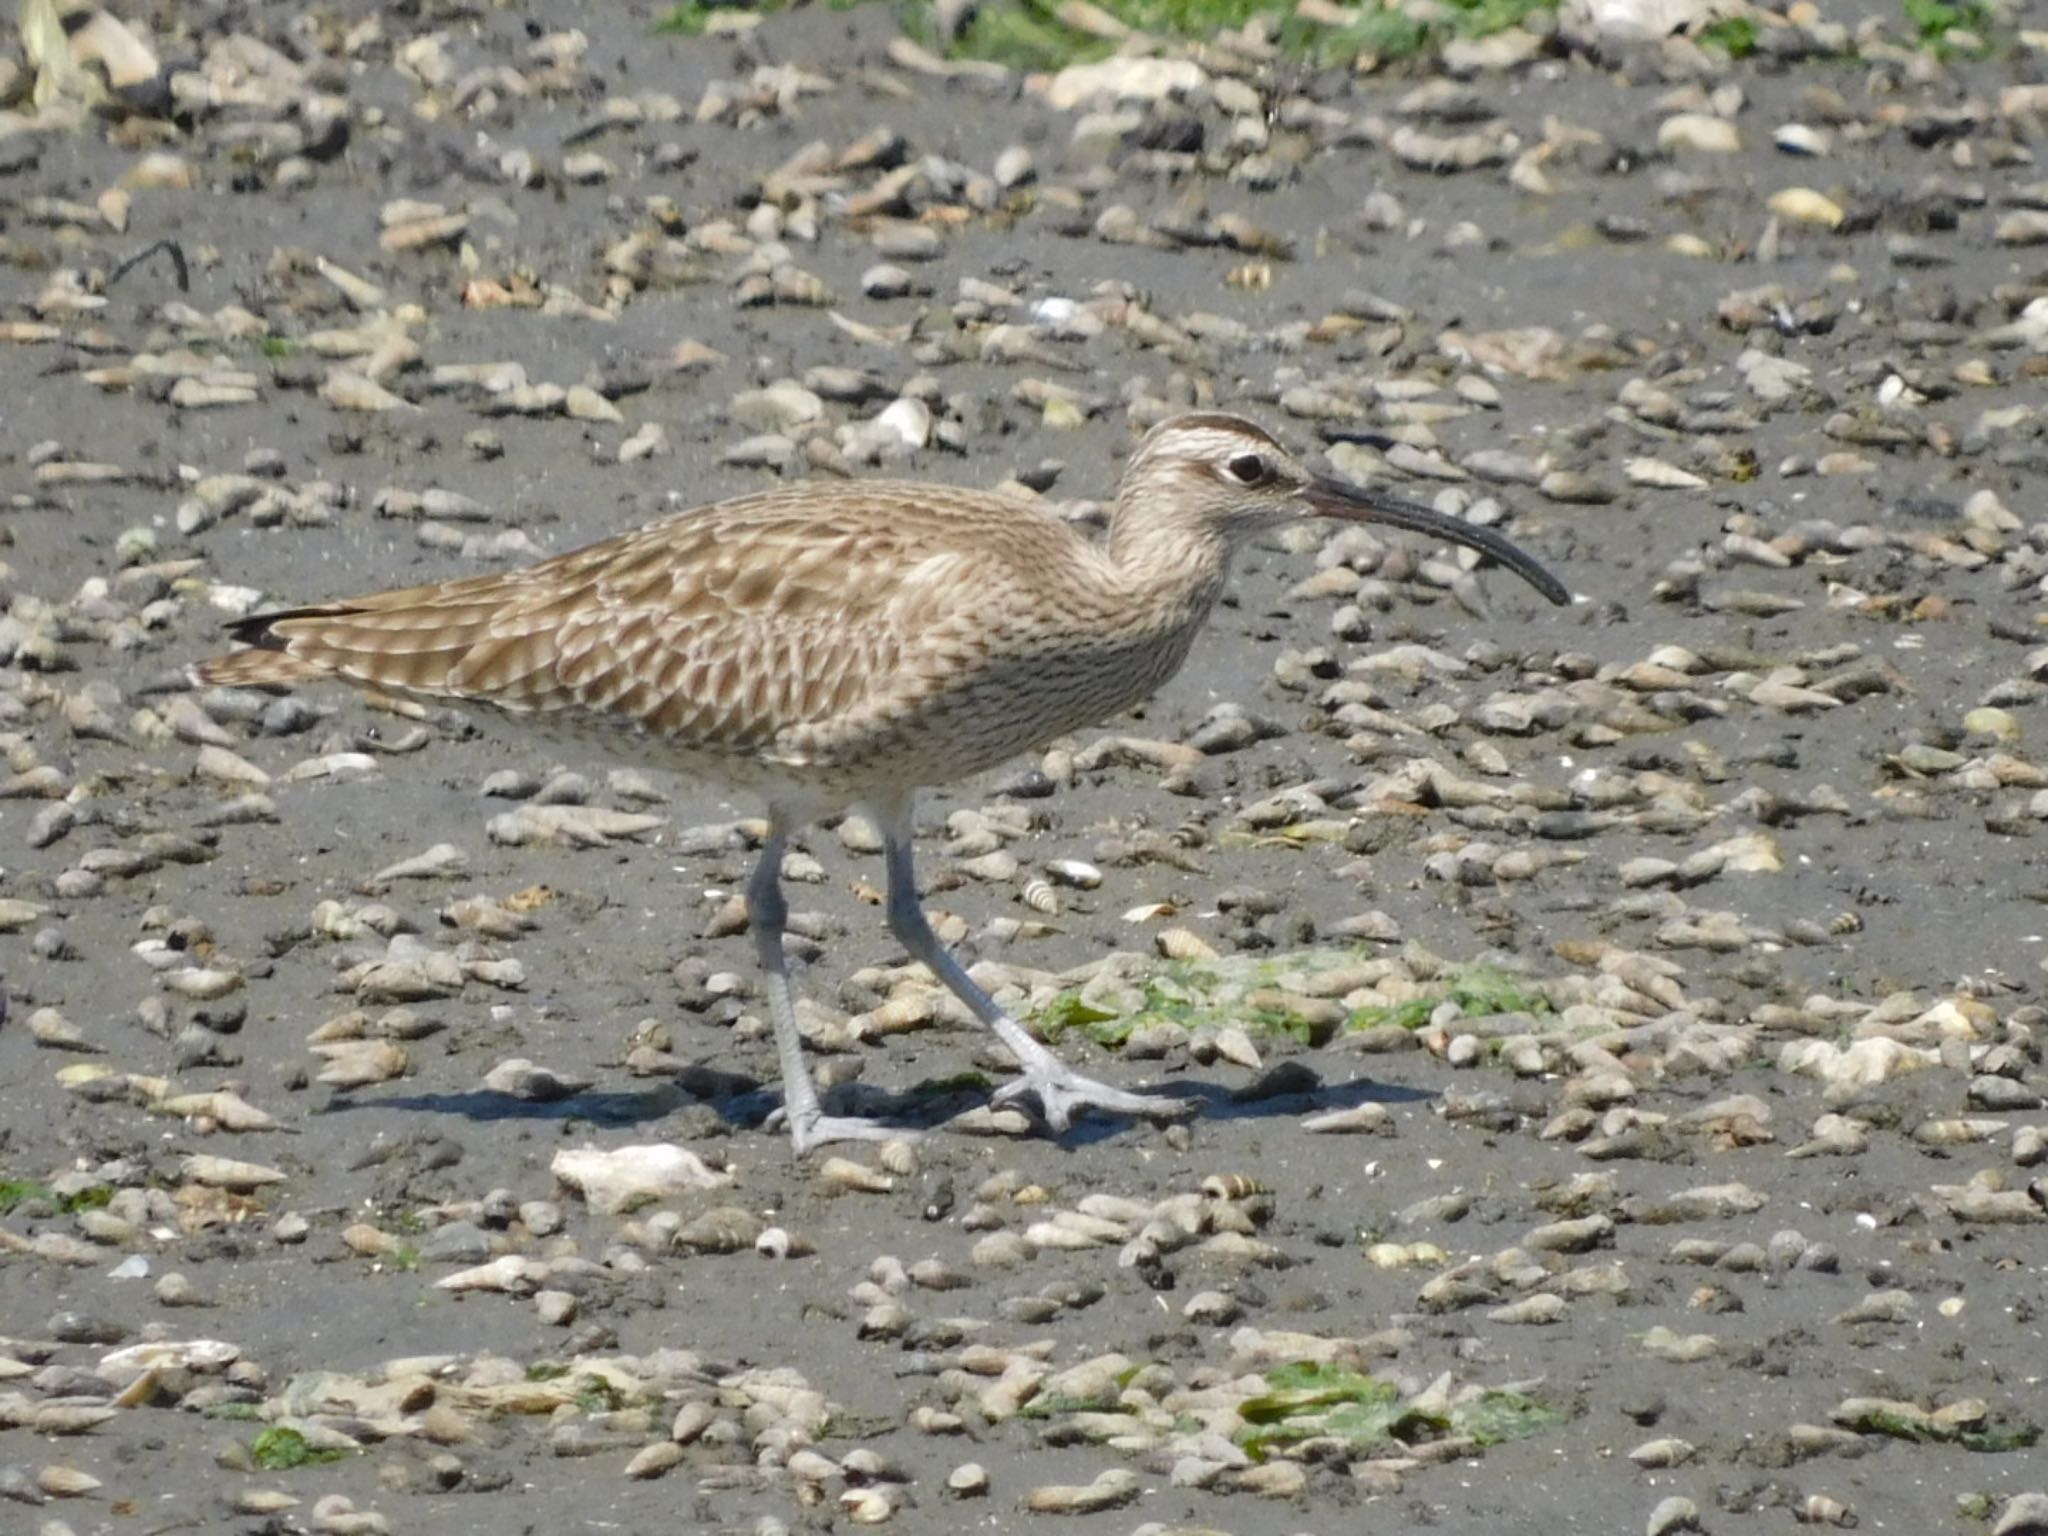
1059	1089
767	914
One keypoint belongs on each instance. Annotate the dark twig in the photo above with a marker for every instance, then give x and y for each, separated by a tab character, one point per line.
170	248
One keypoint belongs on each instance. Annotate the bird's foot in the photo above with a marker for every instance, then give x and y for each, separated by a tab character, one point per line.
816	1129
1060	1091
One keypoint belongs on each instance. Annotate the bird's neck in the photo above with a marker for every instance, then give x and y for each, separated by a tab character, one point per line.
1172	571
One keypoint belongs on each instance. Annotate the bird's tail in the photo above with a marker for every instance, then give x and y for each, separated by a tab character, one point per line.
445	640
266	662
256	669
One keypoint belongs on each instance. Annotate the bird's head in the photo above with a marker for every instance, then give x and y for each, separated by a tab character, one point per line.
1229	475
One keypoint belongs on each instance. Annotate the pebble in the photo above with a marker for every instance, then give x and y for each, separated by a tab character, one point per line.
969	1480
655	1460
2024	1514
176	1290
1111	1489
613	1180
1676	1513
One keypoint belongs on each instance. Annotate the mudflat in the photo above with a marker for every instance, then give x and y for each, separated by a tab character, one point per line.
1615	1031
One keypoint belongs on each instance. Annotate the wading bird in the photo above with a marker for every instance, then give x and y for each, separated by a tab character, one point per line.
842	644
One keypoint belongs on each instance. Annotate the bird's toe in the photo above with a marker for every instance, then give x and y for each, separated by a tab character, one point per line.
809	1132
1062	1095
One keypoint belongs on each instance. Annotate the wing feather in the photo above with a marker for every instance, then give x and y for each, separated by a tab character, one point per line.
791	625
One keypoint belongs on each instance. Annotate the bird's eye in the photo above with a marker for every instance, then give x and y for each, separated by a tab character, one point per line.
1247	469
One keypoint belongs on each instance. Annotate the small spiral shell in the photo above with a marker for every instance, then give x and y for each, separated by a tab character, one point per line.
1233	1186
781	1243
1819	1509
844	1173
1184	944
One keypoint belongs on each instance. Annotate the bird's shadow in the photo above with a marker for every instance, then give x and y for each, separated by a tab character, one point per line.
605	1108
915	1109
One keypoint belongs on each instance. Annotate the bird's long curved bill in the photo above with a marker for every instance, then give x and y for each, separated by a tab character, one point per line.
1360	504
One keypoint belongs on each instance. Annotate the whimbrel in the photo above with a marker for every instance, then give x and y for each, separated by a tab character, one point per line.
834	645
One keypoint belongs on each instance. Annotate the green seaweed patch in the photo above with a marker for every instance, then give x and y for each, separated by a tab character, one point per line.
1070	1010
1310	1401
1481	990
1022	36
1385	32
1732	35
1030	34
693	17
687	20
1498	1417
280	1449
1483	18
1993	1434
1277	1020
1249	991
1934	20
14	1192
1180	994
546	1370
1306	1384
1411	1015
1478	990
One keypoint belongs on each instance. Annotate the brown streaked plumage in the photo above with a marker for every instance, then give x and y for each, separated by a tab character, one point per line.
826	645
